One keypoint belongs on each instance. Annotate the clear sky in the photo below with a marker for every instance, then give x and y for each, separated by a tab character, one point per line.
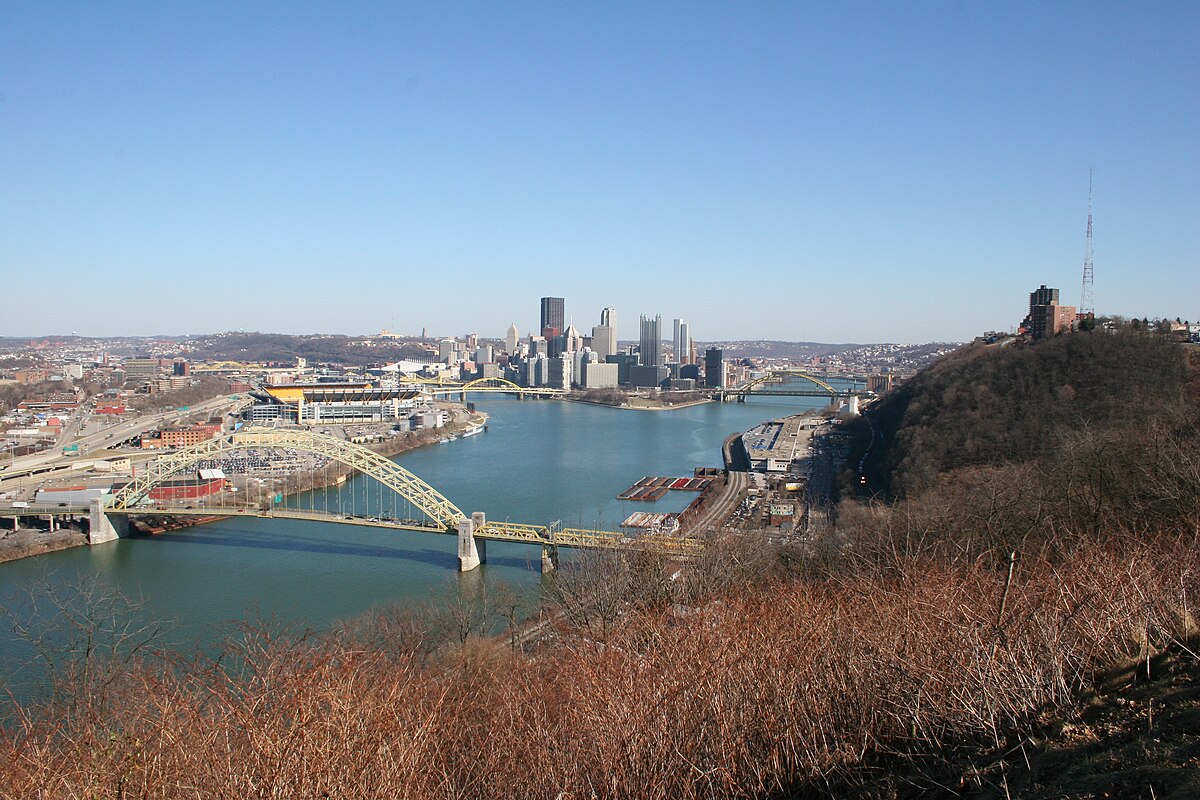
837	171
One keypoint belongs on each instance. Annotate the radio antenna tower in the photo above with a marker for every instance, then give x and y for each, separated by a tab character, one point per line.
1086	299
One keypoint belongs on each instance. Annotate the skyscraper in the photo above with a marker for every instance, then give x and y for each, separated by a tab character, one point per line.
604	335
650	343
510	338
714	367
683	342
553	314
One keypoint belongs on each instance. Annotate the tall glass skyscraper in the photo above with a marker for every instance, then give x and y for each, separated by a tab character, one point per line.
553	314
650	343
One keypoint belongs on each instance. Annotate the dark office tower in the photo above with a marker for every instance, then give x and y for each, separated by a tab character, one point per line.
714	367
553	314
650	342
181	368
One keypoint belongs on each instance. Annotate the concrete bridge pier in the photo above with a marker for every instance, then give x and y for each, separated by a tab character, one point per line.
471	551
549	558
101	527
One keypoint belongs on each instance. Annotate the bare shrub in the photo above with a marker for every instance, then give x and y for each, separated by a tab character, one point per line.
789	685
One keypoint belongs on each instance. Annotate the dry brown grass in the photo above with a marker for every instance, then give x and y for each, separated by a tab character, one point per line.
790	686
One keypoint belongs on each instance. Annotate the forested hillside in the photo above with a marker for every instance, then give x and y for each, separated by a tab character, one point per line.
988	405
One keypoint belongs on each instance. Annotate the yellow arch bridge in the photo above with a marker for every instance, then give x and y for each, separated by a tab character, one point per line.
415	506
769	385
437	386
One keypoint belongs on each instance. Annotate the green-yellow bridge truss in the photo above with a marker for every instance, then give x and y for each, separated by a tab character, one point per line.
439	386
440	515
763	385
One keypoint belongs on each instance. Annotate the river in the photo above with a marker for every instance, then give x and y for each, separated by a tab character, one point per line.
539	461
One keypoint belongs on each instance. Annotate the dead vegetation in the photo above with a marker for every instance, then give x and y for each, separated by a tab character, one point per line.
790	684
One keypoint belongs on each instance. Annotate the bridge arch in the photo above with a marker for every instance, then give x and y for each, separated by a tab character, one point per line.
791	373
407	485
491	383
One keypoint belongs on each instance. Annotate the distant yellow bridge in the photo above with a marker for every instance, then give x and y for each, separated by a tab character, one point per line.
439	386
763	386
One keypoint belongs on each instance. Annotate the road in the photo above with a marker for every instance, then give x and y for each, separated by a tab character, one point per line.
113	434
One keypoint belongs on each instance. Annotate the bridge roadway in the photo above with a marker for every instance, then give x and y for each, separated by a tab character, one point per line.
763	387
522	533
435	386
441	516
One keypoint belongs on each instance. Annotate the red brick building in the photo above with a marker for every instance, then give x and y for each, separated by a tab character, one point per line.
186	489
184	437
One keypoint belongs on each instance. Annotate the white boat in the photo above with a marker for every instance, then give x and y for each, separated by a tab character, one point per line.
472	431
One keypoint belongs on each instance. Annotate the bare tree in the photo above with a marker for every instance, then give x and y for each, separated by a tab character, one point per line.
84	636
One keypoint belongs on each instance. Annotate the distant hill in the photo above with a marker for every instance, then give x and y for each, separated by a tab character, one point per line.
317	348
987	406
1081	434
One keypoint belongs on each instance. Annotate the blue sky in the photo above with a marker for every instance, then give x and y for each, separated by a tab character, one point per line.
802	171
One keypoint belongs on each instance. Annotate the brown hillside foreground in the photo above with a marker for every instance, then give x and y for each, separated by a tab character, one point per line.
799	686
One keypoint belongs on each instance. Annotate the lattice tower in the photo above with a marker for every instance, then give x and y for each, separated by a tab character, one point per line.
1086	297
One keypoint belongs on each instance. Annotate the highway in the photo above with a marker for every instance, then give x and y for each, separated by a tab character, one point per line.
114	434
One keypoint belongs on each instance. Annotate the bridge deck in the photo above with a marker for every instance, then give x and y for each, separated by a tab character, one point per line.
496	531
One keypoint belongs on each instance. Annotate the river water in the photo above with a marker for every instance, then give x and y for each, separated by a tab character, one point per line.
539	461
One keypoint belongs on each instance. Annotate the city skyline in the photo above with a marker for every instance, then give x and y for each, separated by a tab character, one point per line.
843	174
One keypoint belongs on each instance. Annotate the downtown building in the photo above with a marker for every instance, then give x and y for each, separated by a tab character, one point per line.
714	368
553	316
650	341
604	335
682	342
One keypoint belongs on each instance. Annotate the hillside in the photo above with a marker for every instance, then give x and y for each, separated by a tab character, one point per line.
985	406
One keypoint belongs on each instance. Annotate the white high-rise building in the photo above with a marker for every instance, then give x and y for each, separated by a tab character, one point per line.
599	376
560	371
446	351
604	335
539	370
683	343
511	338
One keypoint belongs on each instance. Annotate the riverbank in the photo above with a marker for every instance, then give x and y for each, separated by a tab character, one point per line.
26	542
